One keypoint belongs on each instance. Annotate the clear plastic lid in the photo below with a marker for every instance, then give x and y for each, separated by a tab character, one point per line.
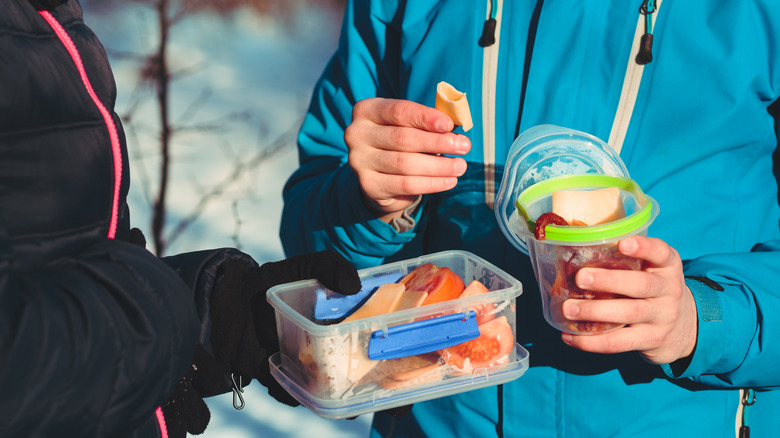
544	152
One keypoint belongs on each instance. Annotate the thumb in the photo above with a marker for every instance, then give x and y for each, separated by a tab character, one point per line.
329	267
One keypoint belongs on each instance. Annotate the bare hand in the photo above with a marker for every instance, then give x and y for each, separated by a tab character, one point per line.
660	311
395	146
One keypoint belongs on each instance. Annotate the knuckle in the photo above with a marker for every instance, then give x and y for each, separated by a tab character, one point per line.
655	338
668	252
401	162
635	313
361	108
354	163
406	185
443	143
351	135
402	137
613	344
399	112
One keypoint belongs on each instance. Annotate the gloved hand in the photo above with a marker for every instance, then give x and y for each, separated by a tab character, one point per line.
185	411
243	332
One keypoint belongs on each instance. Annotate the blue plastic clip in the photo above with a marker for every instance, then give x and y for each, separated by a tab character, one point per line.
423	336
332	306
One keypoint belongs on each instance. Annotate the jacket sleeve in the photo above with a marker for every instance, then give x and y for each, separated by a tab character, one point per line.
322	201
738	325
91	341
201	271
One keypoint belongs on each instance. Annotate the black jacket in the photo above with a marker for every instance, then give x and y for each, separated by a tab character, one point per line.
94	331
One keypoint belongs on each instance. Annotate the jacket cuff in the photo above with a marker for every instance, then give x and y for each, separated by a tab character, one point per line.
201	271
711	333
408	220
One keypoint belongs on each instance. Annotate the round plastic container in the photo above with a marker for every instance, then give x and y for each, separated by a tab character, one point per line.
546	159
567	249
544	152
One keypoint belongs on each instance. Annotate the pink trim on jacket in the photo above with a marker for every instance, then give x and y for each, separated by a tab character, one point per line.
161	421
116	148
112	132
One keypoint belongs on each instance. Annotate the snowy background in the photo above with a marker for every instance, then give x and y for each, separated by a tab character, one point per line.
263	69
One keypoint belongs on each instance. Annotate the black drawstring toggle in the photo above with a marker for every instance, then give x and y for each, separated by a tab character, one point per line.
488	37
645	55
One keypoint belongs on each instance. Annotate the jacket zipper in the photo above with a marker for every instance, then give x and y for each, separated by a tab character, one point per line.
489	73
634	69
113	135
747	399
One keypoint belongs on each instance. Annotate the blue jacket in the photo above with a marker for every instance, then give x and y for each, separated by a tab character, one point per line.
700	140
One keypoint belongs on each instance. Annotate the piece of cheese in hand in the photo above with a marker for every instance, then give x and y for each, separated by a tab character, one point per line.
382	301
453	103
591	207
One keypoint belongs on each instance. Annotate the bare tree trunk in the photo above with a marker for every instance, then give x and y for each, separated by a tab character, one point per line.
163	86
157	72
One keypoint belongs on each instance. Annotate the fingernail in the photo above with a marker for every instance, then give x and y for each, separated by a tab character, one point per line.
570	309
462	144
584	278
567	338
459	167
628	246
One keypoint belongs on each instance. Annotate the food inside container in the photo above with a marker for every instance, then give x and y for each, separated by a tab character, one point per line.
600	210
429	327
565	199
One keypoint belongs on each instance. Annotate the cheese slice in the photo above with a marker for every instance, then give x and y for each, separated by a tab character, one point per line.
453	103
592	207
382	301
411	299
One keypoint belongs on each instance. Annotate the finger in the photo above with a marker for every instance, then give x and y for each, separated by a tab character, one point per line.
136	237
329	267
195	412
276	390
408	187
407	139
620	311
634	284
336	273
618	341
400	411
396	112
413	164
654	251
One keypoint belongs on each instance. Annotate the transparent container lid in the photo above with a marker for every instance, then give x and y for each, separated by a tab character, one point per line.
544	152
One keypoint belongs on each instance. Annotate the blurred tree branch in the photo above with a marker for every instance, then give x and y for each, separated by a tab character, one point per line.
157	74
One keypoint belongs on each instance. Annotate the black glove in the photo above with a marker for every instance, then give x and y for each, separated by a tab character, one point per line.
396	412
185	411
243	332
136	237
400	411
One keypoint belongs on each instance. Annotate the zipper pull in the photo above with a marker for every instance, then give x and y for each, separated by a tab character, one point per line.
645	55
488	37
748	399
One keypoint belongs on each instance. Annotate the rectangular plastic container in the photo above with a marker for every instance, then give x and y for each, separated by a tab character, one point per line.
341	370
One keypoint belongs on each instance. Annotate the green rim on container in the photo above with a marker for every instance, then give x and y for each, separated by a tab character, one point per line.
605	231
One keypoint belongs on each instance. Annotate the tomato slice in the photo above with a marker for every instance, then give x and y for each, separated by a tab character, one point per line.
440	283
483	311
492	347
